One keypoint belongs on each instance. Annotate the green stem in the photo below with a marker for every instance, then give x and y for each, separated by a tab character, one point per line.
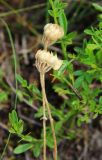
74	89
4	150
16	85
64	50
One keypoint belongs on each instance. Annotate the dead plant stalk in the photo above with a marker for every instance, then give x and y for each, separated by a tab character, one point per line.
46	104
45	61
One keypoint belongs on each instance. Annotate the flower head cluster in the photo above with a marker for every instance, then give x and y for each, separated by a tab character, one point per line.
46	61
52	32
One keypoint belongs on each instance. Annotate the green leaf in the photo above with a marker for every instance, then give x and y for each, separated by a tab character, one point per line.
58	126
13	118
71	135
57	112
100	16
67	39
11	130
3	97
50	13
78	73
1	73
21	80
39	113
92	47
23	148
62	68
20	126
97	7
100	100
51	2
37	149
89	31
63	21
99	57
50	142
16	125
61	91
19	94
78	82
71	35
34	89
85	118
28	138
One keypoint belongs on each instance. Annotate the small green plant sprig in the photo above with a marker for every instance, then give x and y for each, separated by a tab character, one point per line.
90	58
59	16
5	86
29	142
32	94
79	78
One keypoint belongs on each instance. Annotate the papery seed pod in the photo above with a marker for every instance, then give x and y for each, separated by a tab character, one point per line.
42	55
47	59
58	64
52	32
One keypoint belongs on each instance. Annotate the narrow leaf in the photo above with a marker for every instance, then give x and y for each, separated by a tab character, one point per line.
63	21
97	7
22	148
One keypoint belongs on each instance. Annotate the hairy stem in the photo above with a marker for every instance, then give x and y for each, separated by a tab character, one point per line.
46	104
42	79
52	127
53	131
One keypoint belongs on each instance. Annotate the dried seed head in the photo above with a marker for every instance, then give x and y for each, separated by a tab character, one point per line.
52	32
46	61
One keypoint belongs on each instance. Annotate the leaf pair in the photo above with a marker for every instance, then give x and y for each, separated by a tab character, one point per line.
16	124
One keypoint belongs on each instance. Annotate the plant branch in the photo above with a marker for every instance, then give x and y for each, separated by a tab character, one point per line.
42	80
46	104
52	127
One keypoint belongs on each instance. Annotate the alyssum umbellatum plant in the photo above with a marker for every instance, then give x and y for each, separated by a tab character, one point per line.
45	61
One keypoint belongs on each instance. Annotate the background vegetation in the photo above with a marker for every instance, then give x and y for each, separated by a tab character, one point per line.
74	92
